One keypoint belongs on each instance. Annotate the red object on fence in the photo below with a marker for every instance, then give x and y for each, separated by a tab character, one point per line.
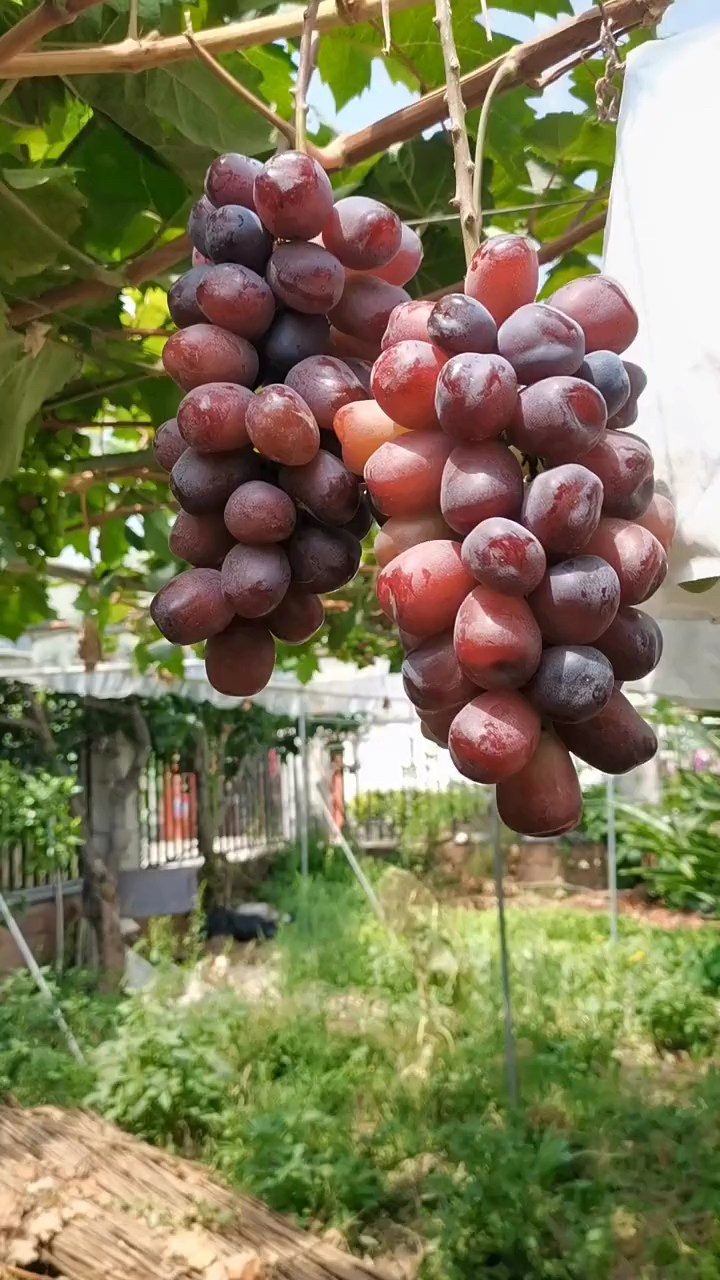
179	806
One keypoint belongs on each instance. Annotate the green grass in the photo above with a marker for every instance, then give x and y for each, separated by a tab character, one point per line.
372	1093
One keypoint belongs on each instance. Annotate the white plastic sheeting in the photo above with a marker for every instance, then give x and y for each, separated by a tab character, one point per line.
662	249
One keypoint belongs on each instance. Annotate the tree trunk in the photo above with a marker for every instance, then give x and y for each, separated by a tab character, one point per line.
207	785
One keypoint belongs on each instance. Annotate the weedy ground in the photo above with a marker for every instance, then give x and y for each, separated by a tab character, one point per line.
363	1088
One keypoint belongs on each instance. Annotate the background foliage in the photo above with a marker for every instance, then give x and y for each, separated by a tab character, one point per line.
97	170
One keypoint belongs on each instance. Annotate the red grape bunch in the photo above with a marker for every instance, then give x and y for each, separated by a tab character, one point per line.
522	528
278	321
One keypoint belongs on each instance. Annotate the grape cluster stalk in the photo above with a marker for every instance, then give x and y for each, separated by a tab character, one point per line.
485	434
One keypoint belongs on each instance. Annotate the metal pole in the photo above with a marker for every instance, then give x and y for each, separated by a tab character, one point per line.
304	796
612	858
42	986
510	1051
347	849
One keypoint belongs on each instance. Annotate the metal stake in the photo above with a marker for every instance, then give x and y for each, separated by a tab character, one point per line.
510	1050
612	858
305	797
42	986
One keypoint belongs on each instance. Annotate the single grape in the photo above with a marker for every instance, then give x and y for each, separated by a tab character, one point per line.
633	643
324	486
230	179
168	444
576	600
562	507
361	428
459	323
191	607
404	476
480	481
182	298
293	196
282	427
203	482
363	520
323	559
362	233
306	277
638	379
237	299
497	640
197	224
504	557
624	465
543	798
326	384
255	578
298	616
258	512
503	275
401	532
602	309
239	662
659	518
292	337
541	342
202	353
408	322
365	307
606	371
202	541
211	418
406	262
572	683
422	589
432	677
362	370
403	383
616	740
476	396
634	553
236	234
435	725
558	419
494	736
344	346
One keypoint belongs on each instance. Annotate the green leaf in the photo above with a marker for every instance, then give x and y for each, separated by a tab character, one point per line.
23	601
26	380
26	179
201	108
345	64
25	250
112	541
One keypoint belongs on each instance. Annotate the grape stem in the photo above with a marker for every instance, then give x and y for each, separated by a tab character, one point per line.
306	65
506	71
458	131
283	127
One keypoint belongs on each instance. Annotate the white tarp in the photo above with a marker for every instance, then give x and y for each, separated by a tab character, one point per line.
660	244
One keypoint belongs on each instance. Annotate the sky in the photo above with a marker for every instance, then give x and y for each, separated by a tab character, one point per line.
384	97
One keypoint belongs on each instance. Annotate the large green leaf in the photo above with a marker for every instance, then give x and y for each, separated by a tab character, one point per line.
24	249
27	378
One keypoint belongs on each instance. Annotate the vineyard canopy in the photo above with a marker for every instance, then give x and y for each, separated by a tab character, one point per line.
106	131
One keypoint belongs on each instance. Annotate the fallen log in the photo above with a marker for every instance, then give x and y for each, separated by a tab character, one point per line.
82	1200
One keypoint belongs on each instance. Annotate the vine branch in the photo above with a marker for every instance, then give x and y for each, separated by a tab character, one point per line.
46	18
503	73
306	63
458	131
136	56
283	127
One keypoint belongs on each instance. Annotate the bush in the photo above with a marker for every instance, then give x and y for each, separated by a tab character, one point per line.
680	1018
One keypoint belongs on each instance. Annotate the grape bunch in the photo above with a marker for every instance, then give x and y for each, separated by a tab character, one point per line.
520	529
278	321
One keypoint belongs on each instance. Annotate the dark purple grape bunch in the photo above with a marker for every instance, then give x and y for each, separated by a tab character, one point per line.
283	282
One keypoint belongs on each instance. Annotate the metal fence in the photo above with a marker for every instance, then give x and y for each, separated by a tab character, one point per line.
255	809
